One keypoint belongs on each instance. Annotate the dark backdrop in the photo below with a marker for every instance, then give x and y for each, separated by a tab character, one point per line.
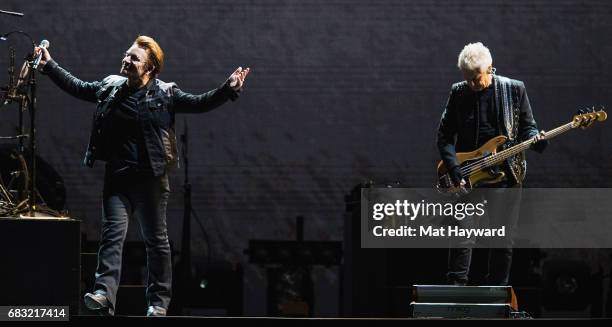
340	92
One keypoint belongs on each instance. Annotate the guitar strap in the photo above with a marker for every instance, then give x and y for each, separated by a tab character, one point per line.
504	96
507	98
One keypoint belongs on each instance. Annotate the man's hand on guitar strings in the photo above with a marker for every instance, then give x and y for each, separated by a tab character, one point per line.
459	189
455	175
458	182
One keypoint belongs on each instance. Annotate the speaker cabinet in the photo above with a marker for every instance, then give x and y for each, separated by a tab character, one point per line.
40	262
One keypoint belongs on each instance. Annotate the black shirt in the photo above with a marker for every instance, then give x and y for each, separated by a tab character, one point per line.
487	115
488	126
125	141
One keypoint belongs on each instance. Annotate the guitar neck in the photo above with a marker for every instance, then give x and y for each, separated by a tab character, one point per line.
499	157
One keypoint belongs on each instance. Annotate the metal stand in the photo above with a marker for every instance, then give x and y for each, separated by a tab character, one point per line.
183	274
26	99
31	193
186	237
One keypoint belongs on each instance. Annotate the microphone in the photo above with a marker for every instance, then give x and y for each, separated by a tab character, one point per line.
43	44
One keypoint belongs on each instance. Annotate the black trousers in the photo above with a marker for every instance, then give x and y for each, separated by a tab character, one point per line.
503	208
142	196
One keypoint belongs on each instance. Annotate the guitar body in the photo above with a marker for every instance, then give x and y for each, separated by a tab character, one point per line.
479	177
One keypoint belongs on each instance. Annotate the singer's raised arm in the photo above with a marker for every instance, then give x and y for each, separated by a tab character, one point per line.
184	102
71	84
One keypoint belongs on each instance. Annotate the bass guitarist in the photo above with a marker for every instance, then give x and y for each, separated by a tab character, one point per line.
484	106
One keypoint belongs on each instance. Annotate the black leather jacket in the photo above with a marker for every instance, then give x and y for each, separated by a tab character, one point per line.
458	128
161	102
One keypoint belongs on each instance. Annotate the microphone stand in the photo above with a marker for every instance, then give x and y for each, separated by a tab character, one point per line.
186	239
184	267
16	95
29	71
32	181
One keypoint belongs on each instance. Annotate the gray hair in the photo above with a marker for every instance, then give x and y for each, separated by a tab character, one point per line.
474	56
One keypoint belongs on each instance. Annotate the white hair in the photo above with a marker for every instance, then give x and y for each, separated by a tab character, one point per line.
474	56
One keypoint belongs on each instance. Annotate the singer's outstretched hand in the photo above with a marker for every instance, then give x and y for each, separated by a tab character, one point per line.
45	56
236	79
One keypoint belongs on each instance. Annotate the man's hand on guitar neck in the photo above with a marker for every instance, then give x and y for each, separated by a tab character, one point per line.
539	142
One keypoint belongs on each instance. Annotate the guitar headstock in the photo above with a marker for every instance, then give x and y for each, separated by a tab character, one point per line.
586	117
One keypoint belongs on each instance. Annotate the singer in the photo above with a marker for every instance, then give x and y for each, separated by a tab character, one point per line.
133	132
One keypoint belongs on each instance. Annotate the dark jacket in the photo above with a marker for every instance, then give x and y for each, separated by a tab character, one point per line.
458	128
161	102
